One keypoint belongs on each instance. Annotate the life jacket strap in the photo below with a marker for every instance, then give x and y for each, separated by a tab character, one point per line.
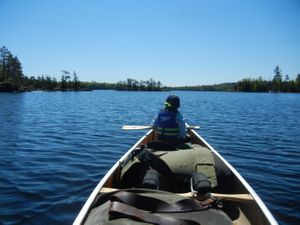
171	132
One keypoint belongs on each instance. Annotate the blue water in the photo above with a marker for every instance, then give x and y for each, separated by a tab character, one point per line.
56	146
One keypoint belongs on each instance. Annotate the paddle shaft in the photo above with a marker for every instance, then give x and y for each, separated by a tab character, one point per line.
136	127
140	127
226	197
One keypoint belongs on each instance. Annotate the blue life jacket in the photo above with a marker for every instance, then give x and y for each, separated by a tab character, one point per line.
167	127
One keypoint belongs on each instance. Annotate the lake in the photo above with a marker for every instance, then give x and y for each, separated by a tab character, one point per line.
56	146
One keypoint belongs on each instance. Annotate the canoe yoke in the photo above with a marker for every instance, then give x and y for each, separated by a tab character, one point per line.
173	168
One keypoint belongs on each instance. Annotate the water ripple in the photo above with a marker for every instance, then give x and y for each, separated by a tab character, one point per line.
56	146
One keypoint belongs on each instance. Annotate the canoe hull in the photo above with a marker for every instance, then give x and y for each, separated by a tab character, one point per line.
254	212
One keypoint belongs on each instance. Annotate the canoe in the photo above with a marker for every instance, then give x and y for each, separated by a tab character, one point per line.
236	200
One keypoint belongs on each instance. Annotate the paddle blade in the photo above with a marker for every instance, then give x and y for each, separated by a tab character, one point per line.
135	127
193	127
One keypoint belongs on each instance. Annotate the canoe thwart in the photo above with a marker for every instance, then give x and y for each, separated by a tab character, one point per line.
224	197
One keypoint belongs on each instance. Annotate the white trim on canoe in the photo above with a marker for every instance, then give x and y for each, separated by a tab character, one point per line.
260	203
91	198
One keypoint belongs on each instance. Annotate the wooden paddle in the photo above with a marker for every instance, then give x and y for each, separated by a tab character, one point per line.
139	127
225	197
135	127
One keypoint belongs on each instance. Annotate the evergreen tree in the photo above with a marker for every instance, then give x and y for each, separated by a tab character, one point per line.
76	83
277	80
64	78
297	83
11	74
4	54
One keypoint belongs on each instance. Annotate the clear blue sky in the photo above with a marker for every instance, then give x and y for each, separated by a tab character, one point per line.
187	42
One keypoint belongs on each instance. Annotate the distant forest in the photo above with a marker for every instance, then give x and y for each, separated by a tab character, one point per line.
277	84
12	79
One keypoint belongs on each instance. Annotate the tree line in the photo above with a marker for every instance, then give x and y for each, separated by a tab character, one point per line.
215	87
13	79
277	84
134	85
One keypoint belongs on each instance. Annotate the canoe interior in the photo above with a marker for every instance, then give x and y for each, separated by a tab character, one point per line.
242	213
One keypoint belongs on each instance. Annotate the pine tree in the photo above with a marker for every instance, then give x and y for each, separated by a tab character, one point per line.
277	80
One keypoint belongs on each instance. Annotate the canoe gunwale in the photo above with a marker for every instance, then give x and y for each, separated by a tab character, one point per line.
83	212
257	199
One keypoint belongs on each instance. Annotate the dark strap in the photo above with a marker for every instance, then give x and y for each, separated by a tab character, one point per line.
152	160
158	145
120	210
157	205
